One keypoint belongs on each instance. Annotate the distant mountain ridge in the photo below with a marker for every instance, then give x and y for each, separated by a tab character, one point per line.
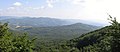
35	22
49	27
43	21
49	30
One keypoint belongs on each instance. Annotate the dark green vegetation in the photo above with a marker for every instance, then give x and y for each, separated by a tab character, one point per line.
55	35
106	39
102	40
10	42
58	32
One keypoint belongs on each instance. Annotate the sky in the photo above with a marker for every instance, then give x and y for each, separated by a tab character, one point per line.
91	10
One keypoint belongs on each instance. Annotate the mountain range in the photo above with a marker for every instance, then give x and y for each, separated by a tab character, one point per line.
48	27
43	21
57	32
88	39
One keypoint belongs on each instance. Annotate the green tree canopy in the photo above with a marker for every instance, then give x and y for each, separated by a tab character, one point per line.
11	43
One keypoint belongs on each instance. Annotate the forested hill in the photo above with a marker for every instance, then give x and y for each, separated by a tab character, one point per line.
90	38
50	37
102	40
106	39
59	32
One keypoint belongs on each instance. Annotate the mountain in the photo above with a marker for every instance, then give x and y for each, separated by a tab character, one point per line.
105	39
4	17
42	21
35	22
8	17
58	32
86	22
54	33
91	38
48	27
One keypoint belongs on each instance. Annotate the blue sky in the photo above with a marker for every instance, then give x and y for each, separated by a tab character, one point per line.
92	10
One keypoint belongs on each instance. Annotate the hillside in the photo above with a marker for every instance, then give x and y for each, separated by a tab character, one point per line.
55	34
90	38
102	40
59	32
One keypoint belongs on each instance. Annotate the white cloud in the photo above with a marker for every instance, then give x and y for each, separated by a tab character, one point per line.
17	4
51	2
11	8
96	10
50	5
42	7
37	8
77	1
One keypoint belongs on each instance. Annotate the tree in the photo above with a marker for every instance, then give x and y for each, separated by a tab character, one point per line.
115	33
12	43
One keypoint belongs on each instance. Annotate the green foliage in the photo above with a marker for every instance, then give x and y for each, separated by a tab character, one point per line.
66	32
11	43
106	39
115	40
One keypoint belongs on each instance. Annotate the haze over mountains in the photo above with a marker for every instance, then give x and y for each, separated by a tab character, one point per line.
48	27
44	21
59	26
59	32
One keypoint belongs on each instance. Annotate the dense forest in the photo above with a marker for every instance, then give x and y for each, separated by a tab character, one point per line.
106	39
10	42
102	40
